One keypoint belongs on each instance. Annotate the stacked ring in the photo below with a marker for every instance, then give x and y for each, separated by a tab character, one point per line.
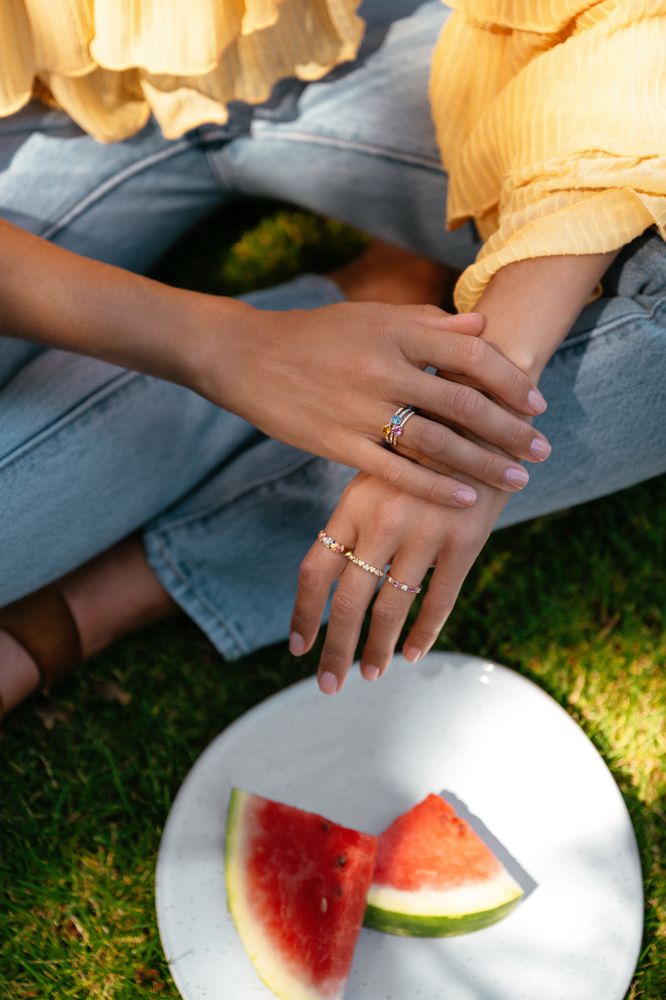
402	586
393	429
362	564
331	543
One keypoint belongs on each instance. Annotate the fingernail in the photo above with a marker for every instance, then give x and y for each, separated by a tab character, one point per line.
465	498
296	644
516	477
370	673
412	653
328	682
540	448
536	401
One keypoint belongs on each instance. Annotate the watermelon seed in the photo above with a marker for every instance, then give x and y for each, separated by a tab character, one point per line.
338	891
324	905
325	826
340	861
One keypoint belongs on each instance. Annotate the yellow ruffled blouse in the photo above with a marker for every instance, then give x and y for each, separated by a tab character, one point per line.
550	114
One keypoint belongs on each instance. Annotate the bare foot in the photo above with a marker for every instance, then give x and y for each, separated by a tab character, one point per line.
114	593
384	273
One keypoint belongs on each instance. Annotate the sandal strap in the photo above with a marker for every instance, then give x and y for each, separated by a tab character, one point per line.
44	625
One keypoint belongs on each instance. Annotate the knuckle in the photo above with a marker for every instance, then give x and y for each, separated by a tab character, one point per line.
489	470
428	311
517	382
387	519
386	615
466	402
393	474
308	574
438	490
371	368
335	660
473	351
345	607
430	438
519	435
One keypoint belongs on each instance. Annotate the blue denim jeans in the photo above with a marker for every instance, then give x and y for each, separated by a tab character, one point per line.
90	452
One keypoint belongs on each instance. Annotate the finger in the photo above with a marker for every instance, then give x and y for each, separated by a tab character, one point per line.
453	565
350	602
468	408
470	324
445	446
390	610
481	361
318	571
413	478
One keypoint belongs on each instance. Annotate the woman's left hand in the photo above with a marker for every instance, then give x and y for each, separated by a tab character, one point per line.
383	525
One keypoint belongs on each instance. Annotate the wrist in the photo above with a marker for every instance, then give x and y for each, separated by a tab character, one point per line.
214	347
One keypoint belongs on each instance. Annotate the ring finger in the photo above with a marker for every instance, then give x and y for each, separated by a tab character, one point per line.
391	608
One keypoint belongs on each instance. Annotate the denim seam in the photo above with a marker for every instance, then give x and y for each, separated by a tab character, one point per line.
76	412
206	142
352	145
592	334
113	182
235	641
212	509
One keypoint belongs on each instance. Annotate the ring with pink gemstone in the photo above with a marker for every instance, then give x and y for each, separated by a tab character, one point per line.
394	428
405	587
330	543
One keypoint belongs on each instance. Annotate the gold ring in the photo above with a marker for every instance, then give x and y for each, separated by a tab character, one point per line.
331	543
393	429
399	585
362	564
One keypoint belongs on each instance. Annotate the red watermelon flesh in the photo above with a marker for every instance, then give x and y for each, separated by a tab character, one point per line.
296	886
434	876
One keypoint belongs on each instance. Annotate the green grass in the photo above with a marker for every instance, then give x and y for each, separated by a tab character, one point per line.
574	601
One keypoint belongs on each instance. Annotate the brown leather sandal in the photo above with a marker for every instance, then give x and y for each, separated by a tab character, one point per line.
44	625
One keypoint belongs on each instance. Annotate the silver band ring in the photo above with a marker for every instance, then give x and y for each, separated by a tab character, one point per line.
394	428
399	585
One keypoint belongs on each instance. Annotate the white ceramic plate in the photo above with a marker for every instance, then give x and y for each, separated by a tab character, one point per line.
503	751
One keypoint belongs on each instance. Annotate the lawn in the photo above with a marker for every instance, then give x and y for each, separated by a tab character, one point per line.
575	601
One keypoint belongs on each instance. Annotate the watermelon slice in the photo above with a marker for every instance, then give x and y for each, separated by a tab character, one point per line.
296	888
435	877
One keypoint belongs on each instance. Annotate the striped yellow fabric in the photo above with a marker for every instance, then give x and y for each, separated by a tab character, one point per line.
110	63
551	119
550	114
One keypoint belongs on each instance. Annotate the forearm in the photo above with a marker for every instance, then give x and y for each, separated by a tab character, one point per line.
60	299
530	306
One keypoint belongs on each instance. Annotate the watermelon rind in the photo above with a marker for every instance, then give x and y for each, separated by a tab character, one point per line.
431	913
285	983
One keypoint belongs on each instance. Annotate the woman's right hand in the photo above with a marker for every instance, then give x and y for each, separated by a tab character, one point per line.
326	380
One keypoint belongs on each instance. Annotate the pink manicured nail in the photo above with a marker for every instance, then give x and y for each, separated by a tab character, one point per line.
412	653
296	644
328	682
540	448
516	477
465	498
370	673
536	401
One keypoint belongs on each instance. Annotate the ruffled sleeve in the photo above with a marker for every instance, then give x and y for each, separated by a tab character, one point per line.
551	119
111	63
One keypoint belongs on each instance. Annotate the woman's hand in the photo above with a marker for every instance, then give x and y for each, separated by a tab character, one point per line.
385	526
326	380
